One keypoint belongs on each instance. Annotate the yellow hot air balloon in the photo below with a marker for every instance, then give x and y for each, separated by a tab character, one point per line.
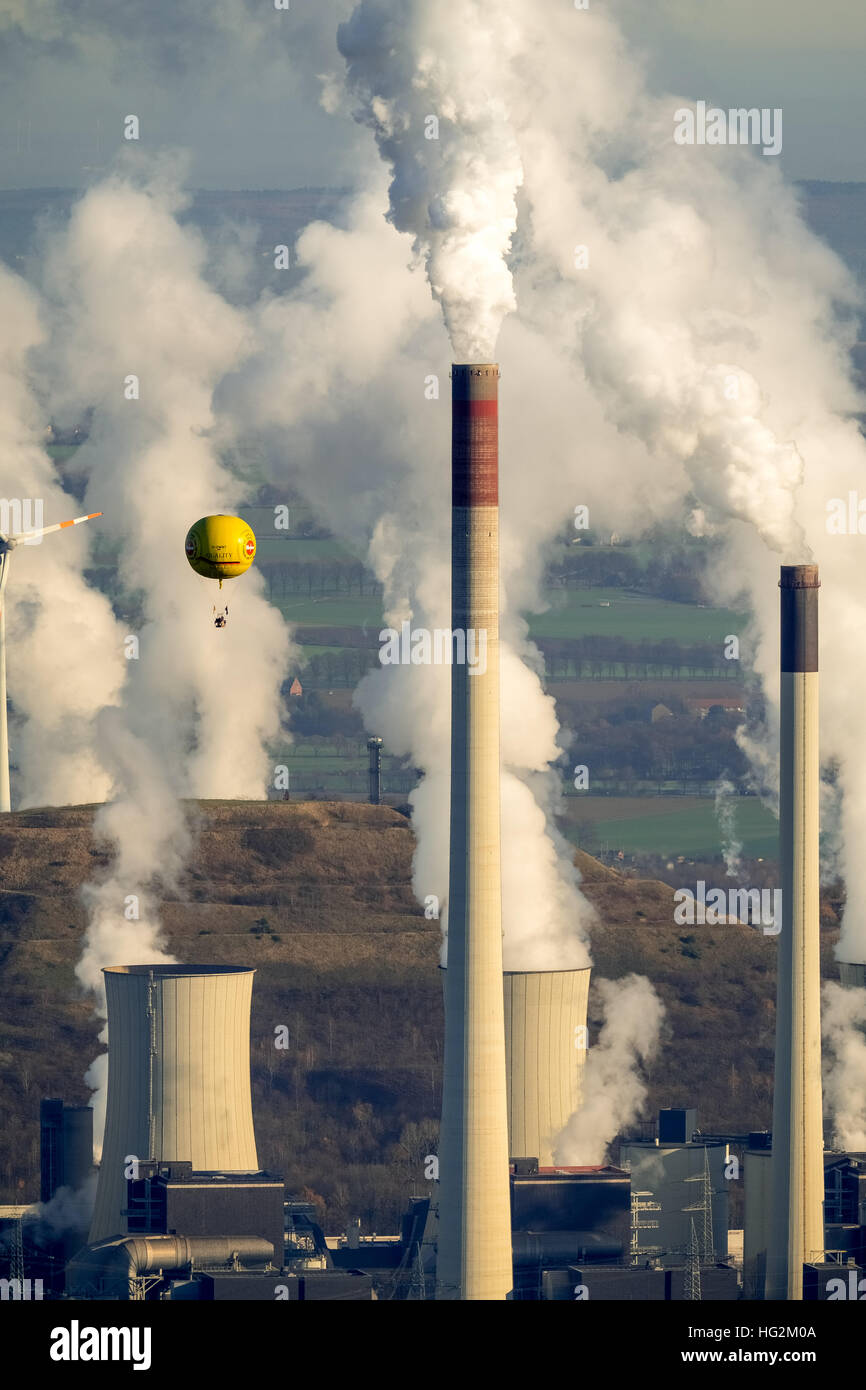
220	547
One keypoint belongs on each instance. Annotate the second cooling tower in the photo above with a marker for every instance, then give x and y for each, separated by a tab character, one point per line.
178	1076
545	1046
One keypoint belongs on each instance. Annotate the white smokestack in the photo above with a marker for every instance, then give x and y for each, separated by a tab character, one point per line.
474	1246
797	1232
178	1076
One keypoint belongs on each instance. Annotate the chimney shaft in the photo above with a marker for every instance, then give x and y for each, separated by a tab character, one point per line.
474	1244
797	1232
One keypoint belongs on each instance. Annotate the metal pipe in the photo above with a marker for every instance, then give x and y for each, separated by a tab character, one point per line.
108	1269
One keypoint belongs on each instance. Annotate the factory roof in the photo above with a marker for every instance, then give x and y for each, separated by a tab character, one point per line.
587	1168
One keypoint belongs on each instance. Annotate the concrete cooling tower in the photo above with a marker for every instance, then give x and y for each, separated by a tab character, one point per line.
852	976
178	1076
545	1049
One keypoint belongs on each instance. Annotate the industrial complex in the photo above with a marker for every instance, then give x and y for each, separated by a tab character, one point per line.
182	1209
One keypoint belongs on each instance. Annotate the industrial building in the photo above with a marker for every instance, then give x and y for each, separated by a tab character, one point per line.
683	1182
182	1208
844	1231
184	1211
65	1146
178	1076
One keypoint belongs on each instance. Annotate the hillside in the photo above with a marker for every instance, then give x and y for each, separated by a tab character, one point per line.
317	896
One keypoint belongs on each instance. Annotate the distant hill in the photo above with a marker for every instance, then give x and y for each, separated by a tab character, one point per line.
317	896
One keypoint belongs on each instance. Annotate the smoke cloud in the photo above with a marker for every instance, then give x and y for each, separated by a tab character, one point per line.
843	1022
55	621
613	1087
416	68
713	329
675	350
70	1209
142	338
726	815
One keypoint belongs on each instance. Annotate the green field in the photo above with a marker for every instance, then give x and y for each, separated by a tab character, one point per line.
332	611
273	546
579	613
60	453
310	649
669	825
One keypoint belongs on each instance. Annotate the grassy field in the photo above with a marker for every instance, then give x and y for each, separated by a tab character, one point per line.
670	825
332	611
579	613
273	546
60	453
297	760
309	649
575	692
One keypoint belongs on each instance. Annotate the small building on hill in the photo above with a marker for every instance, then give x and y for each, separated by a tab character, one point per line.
702	704
659	713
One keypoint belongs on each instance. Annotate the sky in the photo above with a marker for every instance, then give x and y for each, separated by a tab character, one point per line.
238	84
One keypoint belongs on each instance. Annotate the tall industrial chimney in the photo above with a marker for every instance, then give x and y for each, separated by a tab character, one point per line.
545	1047
178	1076
374	750
797	1231
474	1243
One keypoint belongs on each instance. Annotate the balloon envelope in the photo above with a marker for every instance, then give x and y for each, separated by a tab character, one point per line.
220	547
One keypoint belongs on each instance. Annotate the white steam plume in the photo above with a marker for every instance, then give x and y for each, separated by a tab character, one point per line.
843	1022
696	362
127	287
64	648
70	1209
726	814
341	368
714	328
430	82
692	363
613	1088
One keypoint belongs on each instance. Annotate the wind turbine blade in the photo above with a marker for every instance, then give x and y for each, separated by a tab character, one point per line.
58	526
